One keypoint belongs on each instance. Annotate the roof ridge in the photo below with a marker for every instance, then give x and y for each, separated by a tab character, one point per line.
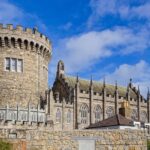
95	81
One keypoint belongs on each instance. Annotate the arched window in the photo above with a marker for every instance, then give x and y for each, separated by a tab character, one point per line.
13	42
143	116
58	115
34	117
84	114
134	115
97	113
6	41
26	44
69	116
20	43
110	111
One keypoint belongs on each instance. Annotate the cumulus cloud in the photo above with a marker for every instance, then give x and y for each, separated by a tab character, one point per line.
139	72
82	51
121	8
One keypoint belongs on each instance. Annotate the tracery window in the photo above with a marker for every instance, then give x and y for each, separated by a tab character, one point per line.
110	111
143	116
58	115
84	114
69	116
134	115
24	117
34	117
97	113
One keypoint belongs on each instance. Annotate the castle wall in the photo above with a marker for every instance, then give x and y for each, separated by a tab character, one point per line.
43	139
34	51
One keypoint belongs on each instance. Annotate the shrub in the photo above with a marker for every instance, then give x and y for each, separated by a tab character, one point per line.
5	145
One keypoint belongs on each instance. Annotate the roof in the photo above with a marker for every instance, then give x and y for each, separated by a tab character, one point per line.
98	87
117	120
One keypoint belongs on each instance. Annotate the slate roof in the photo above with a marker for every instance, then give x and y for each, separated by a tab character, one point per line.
117	120
98	87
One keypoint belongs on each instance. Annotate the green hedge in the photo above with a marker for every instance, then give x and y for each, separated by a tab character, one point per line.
5	145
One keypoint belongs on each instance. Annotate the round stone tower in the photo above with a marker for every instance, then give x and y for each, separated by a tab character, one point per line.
24	58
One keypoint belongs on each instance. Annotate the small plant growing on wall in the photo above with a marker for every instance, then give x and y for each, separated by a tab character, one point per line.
5	145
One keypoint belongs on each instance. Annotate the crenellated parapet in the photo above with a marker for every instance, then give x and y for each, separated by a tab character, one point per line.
24	39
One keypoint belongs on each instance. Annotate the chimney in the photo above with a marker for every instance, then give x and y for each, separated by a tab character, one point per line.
125	110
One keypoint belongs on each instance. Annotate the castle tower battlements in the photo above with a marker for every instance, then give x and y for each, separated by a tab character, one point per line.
24	59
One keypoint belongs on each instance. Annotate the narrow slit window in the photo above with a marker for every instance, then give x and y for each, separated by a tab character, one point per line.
13	64
19	65
7	64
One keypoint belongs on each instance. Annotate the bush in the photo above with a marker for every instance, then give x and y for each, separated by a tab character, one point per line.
148	145
5	145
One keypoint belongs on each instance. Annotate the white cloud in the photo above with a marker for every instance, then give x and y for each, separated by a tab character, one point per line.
83	51
138	72
121	8
12	14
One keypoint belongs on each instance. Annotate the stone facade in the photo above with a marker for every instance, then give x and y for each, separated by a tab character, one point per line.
89	101
43	139
34	51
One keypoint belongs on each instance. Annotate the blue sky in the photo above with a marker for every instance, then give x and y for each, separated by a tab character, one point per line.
101	38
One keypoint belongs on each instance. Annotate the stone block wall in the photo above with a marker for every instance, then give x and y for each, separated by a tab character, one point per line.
45	139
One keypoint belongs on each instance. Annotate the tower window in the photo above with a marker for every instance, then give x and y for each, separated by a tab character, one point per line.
13	64
7	64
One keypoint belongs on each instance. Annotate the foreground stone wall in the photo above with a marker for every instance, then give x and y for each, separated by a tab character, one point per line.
41	138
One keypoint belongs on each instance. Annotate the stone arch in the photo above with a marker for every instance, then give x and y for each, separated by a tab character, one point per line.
19	41
6	40
44	52
84	109
109	111
26	44
37	47
13	42
41	49
32	45
97	113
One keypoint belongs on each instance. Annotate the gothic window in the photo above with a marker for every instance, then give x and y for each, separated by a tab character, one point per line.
97	113
69	116
2	116
84	114
143	116
134	115
24	117
110	111
41	118
13	116
34	117
58	116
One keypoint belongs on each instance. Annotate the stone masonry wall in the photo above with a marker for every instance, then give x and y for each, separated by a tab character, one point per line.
44	139
35	51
